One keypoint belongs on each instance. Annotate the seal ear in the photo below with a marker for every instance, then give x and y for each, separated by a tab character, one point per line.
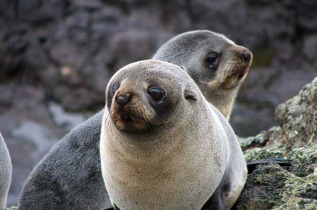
190	95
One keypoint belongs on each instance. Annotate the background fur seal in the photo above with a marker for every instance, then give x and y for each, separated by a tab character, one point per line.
216	63
163	146
5	173
69	176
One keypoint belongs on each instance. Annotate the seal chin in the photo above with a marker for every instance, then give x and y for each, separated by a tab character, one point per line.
233	81
130	123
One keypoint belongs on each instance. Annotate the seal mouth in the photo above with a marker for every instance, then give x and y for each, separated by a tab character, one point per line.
129	122
125	118
238	74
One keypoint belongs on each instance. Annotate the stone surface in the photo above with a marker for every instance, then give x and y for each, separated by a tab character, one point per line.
293	187
276	187
64	119
64	52
297	119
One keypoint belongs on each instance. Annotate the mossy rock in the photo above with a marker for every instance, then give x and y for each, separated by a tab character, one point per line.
297	119
259	140
304	160
272	186
261	153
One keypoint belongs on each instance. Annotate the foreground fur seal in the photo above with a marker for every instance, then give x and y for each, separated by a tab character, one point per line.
163	146
69	176
5	173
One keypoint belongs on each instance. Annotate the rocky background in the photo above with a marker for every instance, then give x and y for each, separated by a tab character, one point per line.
57	56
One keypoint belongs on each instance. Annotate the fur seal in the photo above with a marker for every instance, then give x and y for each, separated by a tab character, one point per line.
5	173
162	145
216	64
52	184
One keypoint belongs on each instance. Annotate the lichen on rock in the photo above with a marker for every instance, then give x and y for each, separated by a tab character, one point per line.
275	187
304	160
261	139
272	186
297	120
261	153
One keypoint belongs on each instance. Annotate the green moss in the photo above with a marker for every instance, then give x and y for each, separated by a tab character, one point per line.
304	160
261	153
263	188
272	186
259	140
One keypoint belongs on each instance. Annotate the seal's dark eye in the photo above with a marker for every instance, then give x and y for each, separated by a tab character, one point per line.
115	87
157	94
212	60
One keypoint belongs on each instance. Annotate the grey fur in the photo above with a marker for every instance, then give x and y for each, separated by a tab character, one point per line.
62	178
5	172
69	176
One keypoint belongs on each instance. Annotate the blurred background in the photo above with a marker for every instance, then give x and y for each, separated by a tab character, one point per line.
56	58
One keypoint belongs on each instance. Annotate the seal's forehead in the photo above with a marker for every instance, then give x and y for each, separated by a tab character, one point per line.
224	38
204	37
150	69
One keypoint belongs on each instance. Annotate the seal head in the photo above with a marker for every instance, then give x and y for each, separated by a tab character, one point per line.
136	105
216	64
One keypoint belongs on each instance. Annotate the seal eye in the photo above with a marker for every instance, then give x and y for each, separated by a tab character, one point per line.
115	87
212	60
157	94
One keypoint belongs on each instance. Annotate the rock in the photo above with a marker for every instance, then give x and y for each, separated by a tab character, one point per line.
36	135
305	15
259	140
273	186
310	48
65	119
276	187
260	153
297	119
28	129
304	160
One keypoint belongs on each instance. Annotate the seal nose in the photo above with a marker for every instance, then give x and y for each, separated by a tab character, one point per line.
123	99
246	56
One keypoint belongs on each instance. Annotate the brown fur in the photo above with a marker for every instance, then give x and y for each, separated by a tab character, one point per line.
178	157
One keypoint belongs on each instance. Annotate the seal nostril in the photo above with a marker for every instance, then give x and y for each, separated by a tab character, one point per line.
123	99
246	56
